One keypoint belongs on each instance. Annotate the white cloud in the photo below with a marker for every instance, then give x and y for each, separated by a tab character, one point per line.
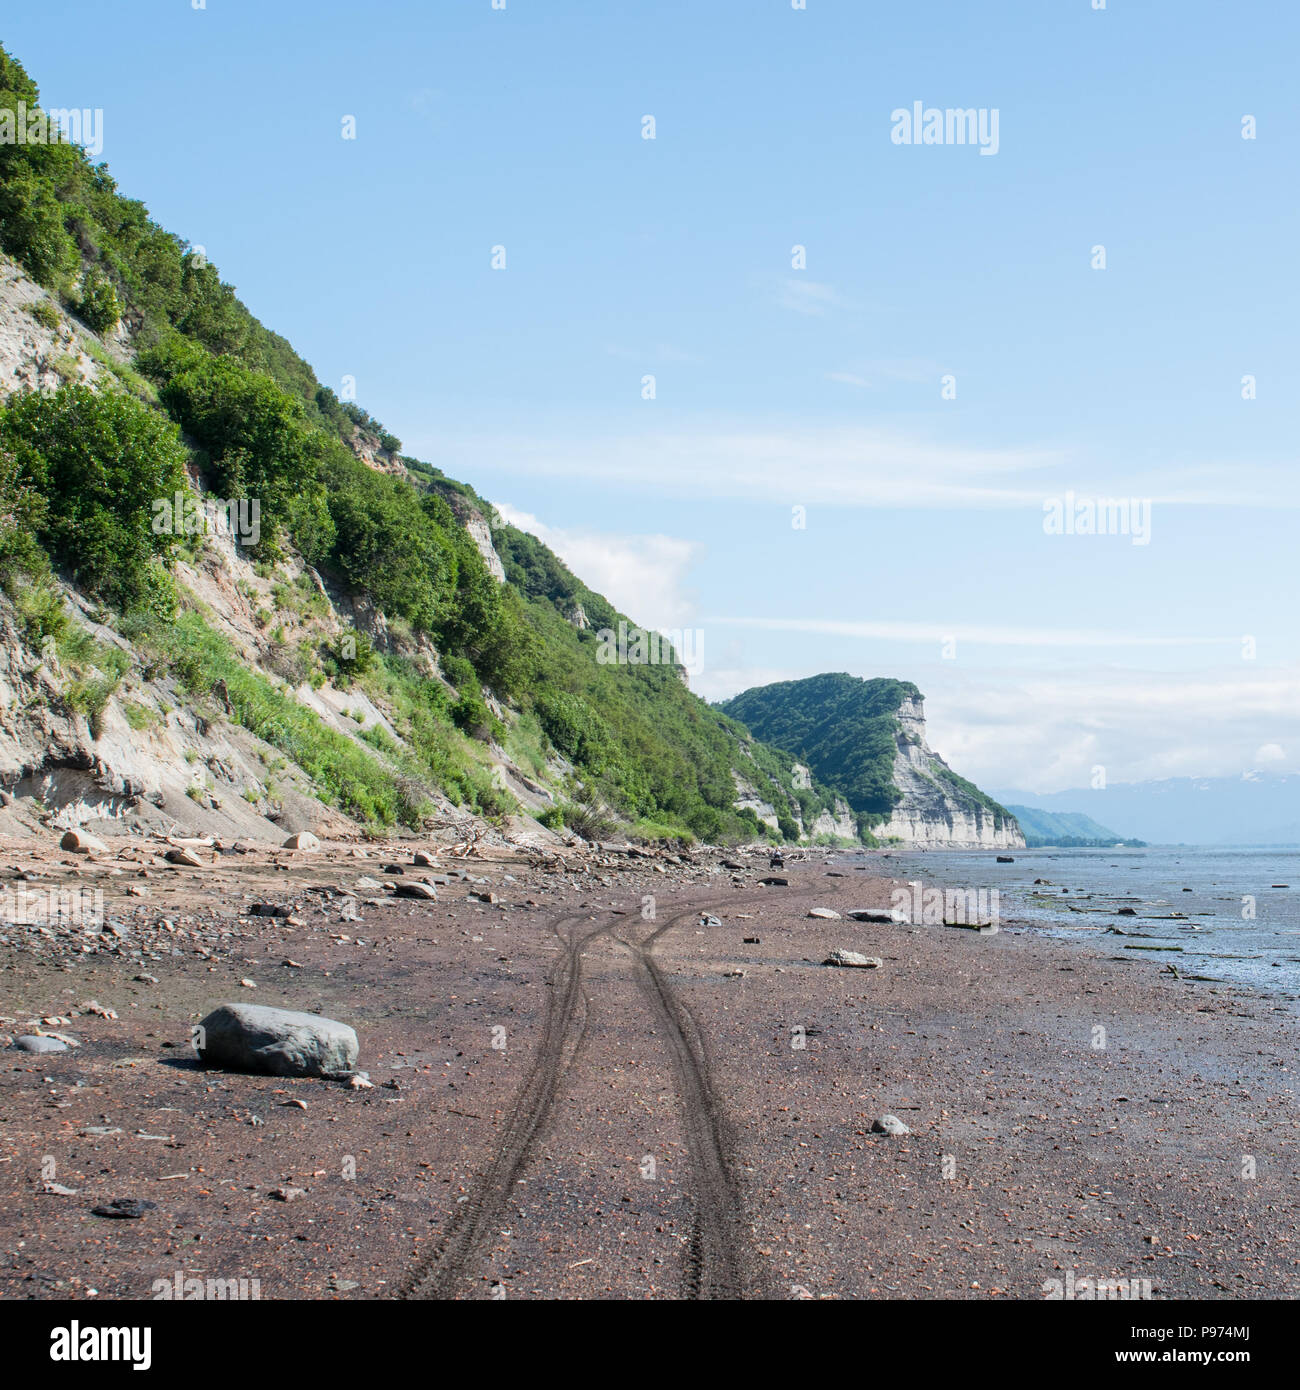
807	296
1269	753
855	466
934	634
642	576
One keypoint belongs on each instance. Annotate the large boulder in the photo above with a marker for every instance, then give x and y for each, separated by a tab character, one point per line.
253	1037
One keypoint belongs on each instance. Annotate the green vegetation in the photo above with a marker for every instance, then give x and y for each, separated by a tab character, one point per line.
845	729
80	470
96	462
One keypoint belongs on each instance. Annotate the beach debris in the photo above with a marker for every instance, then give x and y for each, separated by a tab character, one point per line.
824	914
124	1208
853	958
889	1124
304	839
255	1037
79	842
893	915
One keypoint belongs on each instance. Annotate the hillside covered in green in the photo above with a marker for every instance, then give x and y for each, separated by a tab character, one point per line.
843	728
200	386
1064	829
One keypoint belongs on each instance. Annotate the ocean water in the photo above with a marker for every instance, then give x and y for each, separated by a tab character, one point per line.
1235	923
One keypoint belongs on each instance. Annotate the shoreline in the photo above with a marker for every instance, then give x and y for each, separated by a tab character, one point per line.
686	1147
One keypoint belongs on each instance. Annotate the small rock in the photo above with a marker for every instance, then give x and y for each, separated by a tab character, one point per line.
57	1189
303	840
287	1194
248	984
774	882
889	1124
853	958
423	859
415	889
184	857
78	842
893	915
707	919
38	1042
147	979
268	910
124	1208
824	914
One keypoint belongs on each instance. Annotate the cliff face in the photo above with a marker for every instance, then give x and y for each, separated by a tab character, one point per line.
936	812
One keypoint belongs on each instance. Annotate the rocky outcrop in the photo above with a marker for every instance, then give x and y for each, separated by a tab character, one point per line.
936	811
480	533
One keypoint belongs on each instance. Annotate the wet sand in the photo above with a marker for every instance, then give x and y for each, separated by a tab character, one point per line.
573	1098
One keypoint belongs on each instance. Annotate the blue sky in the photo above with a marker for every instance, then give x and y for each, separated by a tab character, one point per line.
779	387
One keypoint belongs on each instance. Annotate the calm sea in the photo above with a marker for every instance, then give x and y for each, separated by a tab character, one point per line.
1233	914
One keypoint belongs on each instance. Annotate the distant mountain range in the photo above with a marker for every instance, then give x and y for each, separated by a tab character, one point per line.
1257	808
1064	828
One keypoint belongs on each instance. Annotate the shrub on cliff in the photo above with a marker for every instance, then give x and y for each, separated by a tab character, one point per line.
98	461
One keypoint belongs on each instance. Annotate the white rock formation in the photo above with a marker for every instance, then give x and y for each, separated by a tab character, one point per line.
934	812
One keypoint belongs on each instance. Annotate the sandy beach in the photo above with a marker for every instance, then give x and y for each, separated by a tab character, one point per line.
584	1087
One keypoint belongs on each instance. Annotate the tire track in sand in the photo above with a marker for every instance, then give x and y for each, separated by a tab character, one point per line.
714	1264
435	1276
719	1259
